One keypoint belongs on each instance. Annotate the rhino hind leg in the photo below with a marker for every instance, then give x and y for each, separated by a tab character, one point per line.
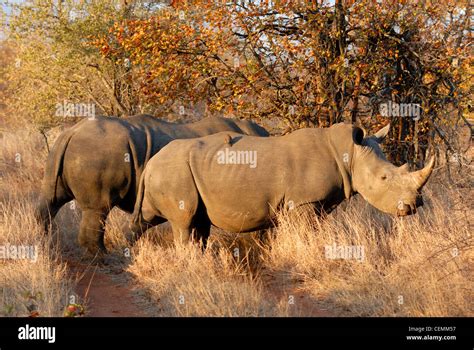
181	233
201	232
49	207
137	229
196	233
91	233
188	228
47	210
146	219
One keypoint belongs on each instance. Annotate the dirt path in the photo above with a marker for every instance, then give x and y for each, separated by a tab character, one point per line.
307	306
300	303
106	295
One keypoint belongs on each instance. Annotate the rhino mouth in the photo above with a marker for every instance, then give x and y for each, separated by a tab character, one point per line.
406	210
410	209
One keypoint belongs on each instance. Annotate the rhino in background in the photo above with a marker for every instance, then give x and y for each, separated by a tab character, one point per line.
215	180
98	162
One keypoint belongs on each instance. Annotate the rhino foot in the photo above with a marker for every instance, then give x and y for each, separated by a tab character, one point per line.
91	233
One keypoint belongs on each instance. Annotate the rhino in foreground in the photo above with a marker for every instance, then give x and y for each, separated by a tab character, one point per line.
98	162
237	182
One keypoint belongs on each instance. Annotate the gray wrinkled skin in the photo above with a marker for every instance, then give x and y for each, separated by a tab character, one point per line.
316	167
98	163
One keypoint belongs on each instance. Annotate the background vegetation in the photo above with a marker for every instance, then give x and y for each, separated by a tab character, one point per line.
288	64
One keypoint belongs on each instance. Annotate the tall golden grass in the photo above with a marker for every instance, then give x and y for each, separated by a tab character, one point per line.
187	282
413	266
28	288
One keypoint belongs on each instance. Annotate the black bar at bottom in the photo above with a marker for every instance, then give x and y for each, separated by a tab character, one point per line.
449	333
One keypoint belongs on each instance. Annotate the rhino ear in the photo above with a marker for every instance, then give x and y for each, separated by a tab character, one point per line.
358	135
380	135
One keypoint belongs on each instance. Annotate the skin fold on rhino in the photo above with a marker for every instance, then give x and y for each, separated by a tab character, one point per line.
237	182
98	162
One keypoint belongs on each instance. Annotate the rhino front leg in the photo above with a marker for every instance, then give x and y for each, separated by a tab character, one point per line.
91	234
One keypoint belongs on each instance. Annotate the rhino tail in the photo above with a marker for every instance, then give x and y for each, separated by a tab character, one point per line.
137	211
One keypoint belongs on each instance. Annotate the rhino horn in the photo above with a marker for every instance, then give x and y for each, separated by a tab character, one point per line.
421	176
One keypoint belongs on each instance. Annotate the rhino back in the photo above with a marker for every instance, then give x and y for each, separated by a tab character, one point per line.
250	128
212	125
206	126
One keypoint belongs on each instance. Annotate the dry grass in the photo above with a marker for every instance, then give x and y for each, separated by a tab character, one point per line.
187	282
415	266
29	286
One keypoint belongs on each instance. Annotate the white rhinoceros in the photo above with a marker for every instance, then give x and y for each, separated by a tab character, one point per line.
236	182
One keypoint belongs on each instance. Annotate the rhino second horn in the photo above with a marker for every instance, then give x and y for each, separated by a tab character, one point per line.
421	176
405	168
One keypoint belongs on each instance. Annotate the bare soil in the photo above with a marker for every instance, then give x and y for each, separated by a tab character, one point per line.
106	293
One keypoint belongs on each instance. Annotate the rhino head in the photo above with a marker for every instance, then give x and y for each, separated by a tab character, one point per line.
391	189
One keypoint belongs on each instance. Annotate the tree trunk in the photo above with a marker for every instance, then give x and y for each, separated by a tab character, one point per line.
355	99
